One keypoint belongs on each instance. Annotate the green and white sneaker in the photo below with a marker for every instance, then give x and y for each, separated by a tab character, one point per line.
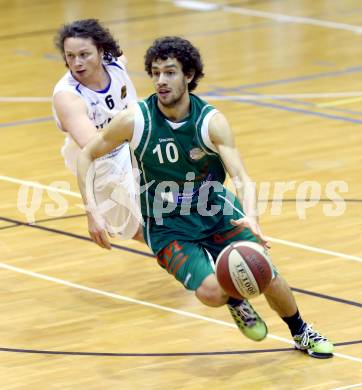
313	343
248	321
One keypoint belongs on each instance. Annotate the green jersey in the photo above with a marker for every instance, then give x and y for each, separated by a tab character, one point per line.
181	171
187	209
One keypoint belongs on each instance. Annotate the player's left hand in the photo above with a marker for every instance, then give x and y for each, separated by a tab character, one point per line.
97	231
253	225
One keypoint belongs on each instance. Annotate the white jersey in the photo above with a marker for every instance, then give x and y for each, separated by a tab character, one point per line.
102	105
113	181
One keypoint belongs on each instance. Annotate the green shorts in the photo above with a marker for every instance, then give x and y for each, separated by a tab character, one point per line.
191	261
187	246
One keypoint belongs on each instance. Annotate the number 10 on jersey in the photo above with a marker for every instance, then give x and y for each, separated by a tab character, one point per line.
170	151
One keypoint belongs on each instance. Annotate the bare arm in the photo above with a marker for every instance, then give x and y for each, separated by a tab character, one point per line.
72	114
119	130
223	138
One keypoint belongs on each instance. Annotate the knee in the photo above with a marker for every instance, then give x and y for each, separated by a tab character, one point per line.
273	284
276	285
210	293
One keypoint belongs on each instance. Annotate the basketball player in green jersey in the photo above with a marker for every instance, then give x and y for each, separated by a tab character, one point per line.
183	146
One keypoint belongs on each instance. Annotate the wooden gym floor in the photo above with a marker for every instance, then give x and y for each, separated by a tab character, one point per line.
288	75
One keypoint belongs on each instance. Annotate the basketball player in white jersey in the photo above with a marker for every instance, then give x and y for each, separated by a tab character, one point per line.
95	88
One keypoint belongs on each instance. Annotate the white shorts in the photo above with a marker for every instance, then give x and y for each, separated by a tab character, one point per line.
114	191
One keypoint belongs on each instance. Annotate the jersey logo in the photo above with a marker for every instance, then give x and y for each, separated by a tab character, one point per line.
123	92
197	154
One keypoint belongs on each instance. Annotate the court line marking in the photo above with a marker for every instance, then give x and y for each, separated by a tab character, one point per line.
147	304
27	122
252	99
313	95
261	103
280	18
340	102
41	186
314	249
328	105
24	99
316	95
287	99
296	79
149	255
271	239
348	387
129	19
150	354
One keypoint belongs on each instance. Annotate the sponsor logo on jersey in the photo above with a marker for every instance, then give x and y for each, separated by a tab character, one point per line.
160	140
123	92
197	153
104	123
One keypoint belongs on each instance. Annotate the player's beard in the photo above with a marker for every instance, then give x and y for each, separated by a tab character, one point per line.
174	101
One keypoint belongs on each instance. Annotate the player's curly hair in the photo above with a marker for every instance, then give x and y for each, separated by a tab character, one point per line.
181	49
89	28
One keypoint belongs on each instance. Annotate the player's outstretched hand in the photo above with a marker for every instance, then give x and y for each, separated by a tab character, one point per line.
252	224
97	232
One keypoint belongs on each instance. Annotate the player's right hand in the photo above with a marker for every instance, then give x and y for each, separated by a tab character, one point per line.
97	232
253	225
